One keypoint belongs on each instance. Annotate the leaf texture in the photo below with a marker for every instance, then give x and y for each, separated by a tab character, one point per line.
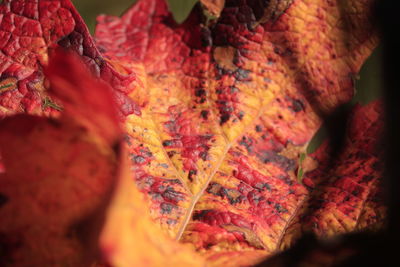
348	196
228	108
129	236
217	114
29	32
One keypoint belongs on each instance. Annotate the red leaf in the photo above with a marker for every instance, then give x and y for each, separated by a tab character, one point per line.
59	174
217	115
230	108
29	32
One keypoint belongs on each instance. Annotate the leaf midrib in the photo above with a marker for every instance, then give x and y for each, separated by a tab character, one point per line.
196	197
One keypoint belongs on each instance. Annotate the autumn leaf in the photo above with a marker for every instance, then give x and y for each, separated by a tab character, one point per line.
349	196
58	172
218	114
129	236
229	110
29	32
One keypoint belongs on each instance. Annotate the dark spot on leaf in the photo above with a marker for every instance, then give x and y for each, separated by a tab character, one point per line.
224	118
214	188
241	115
273	157
247	143
149	180
279	208
262	186
241	74
155	196
170	125
297	105
355	192
116	147
166	208
204	155
234	89
167	143
164	165
171	195
138	159
200	92
176	181
192	173
255	197
147	153
232	195
128	140
171	153
199	215
204	114
171	222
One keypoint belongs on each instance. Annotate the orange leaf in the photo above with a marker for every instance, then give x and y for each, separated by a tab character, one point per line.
217	115
228	109
130	238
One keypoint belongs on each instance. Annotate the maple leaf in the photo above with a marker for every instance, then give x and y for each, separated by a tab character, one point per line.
217	113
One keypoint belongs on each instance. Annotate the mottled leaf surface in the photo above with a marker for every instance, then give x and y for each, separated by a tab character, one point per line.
29	32
130	237
228	108
218	113
346	196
